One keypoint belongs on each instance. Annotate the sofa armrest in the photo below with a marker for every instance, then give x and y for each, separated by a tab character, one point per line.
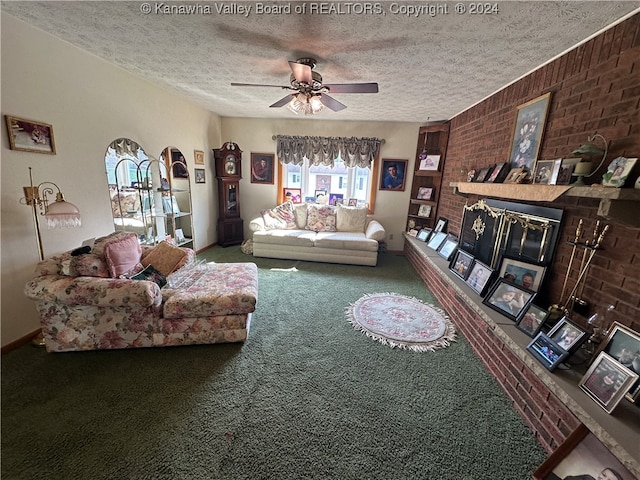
102	292
257	225
375	231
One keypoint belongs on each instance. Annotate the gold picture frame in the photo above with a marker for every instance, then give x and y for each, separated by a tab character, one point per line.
527	132
198	157
30	135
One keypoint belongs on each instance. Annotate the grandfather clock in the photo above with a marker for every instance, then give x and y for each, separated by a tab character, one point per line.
229	172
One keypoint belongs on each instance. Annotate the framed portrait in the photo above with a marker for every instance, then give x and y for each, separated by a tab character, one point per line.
508	298
423	234
516	175
336	198
428	162
461	264
546	351
262	166
30	135
424	211
198	175
424	193
567	334
582	455
527	132
353	202
436	240
198	157
482	175
532	319
392	174
479	277
567	165
623	344
527	275
618	171
543	174
499	173
448	247
607	381
178	164
293	194
441	225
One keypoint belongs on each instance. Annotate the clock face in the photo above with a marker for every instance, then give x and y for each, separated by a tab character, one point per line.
230	165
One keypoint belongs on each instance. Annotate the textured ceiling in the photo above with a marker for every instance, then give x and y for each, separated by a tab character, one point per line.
427	67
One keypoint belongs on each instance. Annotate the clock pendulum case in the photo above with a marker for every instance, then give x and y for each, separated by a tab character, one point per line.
228	173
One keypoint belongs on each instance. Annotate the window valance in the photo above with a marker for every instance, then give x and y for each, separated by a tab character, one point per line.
355	152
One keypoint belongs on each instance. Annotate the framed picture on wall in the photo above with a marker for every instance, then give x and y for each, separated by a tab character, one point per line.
527	132
393	174
30	135
199	175
262	166
198	157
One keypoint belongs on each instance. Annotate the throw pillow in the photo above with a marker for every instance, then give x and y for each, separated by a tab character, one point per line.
87	265
351	219
123	255
165	258
321	218
150	274
300	211
280	217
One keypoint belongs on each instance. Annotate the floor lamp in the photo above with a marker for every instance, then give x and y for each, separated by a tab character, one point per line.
58	214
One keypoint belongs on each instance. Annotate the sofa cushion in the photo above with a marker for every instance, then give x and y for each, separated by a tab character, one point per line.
351	219
321	218
85	265
300	211
345	241
123	255
165	258
375	231
279	217
300	238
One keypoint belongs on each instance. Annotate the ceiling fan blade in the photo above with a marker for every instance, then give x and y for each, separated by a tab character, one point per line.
233	84
301	72
331	103
282	102
352	87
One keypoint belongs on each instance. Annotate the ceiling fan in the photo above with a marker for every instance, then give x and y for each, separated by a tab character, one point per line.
310	93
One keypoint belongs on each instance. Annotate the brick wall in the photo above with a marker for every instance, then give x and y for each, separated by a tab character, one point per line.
595	88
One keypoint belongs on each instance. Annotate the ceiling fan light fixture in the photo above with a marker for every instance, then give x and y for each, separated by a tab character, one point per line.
305	104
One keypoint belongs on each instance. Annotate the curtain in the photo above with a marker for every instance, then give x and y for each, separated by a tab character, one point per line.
356	152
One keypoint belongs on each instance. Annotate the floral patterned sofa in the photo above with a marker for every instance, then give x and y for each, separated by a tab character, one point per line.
122	295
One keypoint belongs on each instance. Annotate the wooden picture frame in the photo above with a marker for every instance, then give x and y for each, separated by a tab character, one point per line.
30	135
428	162
293	194
199	175
479	277
198	157
579	456
390	180
508	298
525	274
567	334
607	381
618	171
532	319
461	264
516	175
527	132
262	168
546	351
623	344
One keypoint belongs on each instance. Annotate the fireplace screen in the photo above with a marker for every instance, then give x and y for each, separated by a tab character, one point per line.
493	228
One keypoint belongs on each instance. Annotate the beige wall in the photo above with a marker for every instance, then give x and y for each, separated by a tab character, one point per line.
90	102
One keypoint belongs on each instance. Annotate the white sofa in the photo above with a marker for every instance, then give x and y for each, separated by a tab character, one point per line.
319	233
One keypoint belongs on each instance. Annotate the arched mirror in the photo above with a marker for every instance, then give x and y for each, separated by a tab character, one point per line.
177	199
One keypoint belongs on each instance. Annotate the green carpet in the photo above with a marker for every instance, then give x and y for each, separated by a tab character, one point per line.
306	397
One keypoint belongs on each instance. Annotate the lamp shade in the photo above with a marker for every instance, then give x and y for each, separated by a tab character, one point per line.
61	214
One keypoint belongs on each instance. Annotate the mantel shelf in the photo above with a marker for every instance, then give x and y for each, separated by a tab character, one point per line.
616	203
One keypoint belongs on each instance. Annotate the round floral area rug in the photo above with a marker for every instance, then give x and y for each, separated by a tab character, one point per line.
401	322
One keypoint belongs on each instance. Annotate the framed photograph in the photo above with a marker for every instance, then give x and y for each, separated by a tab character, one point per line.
499	173
293	194
448	247
508	298
532	319
482	175
527	275
516	175
479	277
198	157
180	238
567	334
178	164
607	381
544	172
198	175
353	202
618	171
428	162
392	175
441	225
262	165
582	455
567	165
424	193
527	132
424	211
461	264
546	351
413	232
436	240
335	198
30	135
623	344
423	234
